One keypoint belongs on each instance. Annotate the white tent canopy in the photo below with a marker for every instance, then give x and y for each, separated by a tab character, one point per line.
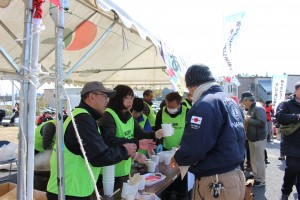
129	54
97	46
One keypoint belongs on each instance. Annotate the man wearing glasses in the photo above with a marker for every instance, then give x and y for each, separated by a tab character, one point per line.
78	183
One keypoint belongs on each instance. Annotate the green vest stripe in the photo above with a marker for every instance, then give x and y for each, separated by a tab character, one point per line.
151	115
123	130
38	137
178	124
77	178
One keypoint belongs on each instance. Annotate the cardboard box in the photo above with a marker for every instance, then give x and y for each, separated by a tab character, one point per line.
8	191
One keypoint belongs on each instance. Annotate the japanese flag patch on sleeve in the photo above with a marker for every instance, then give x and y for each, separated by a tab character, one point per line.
196	120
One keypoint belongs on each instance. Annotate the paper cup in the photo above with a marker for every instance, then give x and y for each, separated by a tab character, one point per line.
167	130
108	173
151	166
130	195
174	149
161	156
108	188
167	158
155	158
127	187
141	183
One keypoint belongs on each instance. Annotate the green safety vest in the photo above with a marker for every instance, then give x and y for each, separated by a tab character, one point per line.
151	115
178	124
187	104
77	178
38	136
123	130
142	124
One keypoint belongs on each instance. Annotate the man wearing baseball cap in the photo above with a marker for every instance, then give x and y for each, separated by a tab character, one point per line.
78	183
256	122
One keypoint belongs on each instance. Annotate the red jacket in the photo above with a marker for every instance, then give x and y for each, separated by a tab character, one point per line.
269	112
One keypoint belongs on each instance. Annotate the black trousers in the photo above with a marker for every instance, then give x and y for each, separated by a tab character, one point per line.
291	175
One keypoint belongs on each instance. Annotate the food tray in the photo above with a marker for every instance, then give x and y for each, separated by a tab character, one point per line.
152	178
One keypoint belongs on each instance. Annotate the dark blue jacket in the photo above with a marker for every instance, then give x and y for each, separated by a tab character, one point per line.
147	126
288	113
214	136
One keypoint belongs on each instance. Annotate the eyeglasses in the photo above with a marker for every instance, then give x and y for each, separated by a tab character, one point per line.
105	95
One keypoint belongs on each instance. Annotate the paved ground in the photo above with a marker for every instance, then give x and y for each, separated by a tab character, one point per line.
274	176
275	172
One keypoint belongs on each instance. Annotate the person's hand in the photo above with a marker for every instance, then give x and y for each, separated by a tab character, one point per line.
246	119
159	148
159	134
139	157
147	144
131	148
150	152
173	163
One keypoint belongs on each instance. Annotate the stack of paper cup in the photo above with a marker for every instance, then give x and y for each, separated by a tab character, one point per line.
108	179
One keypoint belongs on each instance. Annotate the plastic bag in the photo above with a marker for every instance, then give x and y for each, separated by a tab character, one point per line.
8	152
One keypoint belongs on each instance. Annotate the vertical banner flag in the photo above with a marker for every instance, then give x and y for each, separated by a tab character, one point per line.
176	67
278	89
232	25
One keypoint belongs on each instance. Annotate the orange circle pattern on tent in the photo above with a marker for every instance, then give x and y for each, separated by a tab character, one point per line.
83	36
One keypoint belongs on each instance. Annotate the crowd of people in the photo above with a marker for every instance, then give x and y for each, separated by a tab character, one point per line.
260	119
211	134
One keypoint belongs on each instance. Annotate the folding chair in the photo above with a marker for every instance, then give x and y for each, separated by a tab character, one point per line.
11	161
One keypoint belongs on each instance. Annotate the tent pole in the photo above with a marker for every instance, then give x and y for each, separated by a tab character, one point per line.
58	100
22	153
32	104
91	50
118	69
10	60
12	94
